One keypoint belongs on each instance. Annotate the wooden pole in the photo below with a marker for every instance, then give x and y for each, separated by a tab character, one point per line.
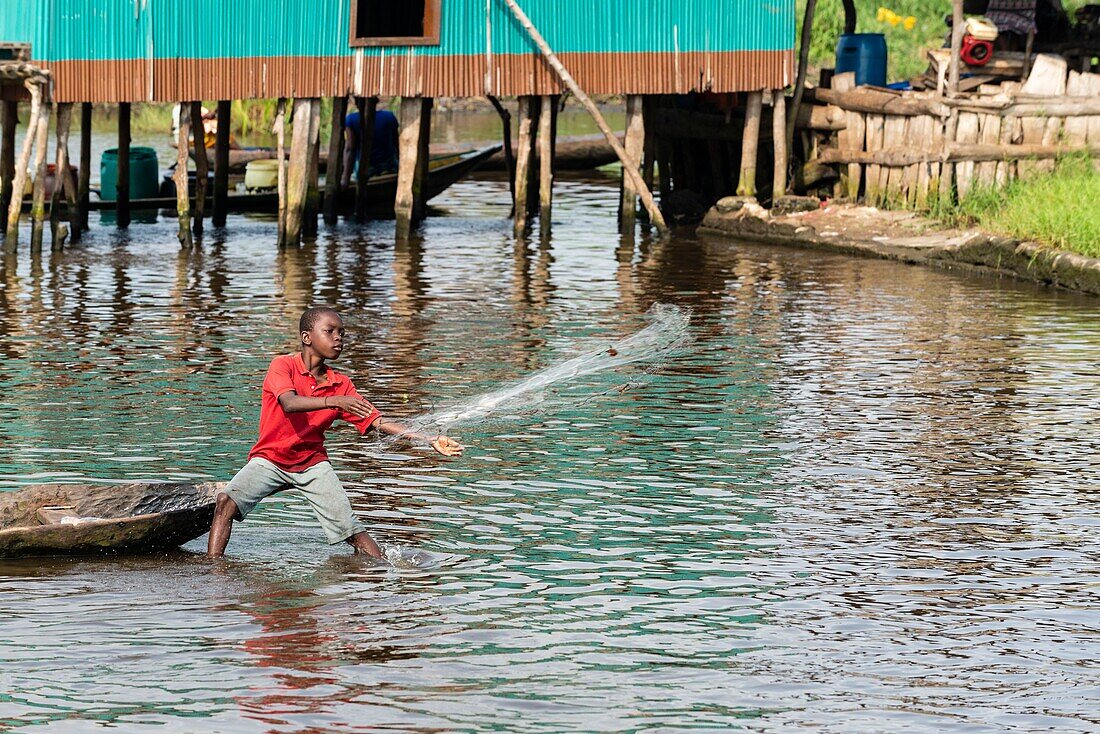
202	166
546	160
647	198
183	204
420	180
19	180
524	154
779	140
122	212
803	65
38	204
408	154
957	31
83	188
7	151
221	164
634	145
368	108
746	184
313	165
649	148
298	172
62	180
509	154
334	171
280	136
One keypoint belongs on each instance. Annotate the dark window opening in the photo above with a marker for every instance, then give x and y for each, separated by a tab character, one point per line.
394	22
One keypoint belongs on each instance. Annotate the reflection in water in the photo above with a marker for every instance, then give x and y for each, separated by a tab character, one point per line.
862	501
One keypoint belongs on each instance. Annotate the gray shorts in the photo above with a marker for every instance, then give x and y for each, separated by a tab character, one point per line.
260	478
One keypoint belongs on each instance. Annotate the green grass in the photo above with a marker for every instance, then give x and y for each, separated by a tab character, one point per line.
1059	208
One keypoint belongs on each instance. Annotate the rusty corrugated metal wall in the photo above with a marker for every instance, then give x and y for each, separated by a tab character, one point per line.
168	50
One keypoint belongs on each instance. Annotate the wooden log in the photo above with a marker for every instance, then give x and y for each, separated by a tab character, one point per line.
1052	107
180	178
857	132
19	180
746	183
881	102
83	187
122	202
312	206
803	66
524	155
779	140
202	166
38	202
7	151
298	169
368	108
544	48
420	178
334	173
546	160
509	153
874	136
63	183
841	84
407	162
221	164
279	128
635	144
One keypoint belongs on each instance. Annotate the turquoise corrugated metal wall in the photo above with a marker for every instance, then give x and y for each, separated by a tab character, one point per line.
97	30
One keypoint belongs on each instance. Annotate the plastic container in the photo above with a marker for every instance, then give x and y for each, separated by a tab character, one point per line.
865	54
144	174
261	174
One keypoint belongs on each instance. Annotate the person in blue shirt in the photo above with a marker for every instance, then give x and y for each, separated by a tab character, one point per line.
383	149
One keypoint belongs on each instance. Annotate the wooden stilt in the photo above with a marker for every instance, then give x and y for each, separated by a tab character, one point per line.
803	66
746	185
63	181
221	164
122	203
202	166
7	151
546	160
38	203
298	172
19	180
367	109
280	139
649	149
180	179
420	179
408	154
634	144
779	140
334	173
313	192
524	154
509	154
83	187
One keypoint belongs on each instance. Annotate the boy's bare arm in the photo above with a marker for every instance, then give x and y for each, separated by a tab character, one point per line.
292	402
443	444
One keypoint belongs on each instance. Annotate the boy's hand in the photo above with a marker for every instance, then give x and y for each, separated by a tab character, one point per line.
348	404
446	446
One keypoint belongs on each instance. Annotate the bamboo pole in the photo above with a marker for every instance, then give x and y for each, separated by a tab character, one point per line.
334	172
524	154
38	203
19	180
546	160
7	151
634	146
83	188
803	65
297	173
407	155
122	201
183	204
368	108
221	164
62	181
647	198
202	166
279	128
746	184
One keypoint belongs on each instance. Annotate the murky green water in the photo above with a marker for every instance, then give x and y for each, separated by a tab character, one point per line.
864	500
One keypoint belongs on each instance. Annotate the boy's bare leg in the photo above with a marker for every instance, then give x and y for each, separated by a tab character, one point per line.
225	509
362	543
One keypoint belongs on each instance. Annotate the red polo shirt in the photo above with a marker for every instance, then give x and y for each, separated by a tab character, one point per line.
296	441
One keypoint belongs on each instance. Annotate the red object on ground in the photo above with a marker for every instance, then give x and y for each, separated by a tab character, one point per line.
975	51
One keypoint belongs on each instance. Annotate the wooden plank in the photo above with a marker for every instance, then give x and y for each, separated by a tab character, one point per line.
924	132
873	171
990	134
911	173
958	153
893	139
964	170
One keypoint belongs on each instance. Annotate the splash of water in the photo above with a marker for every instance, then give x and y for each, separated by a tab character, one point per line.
649	348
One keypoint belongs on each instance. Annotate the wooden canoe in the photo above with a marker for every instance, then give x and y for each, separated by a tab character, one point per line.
86	519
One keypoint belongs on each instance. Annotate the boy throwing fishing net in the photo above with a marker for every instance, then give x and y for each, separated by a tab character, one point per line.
302	397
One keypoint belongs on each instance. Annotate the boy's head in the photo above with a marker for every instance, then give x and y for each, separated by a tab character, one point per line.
320	328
